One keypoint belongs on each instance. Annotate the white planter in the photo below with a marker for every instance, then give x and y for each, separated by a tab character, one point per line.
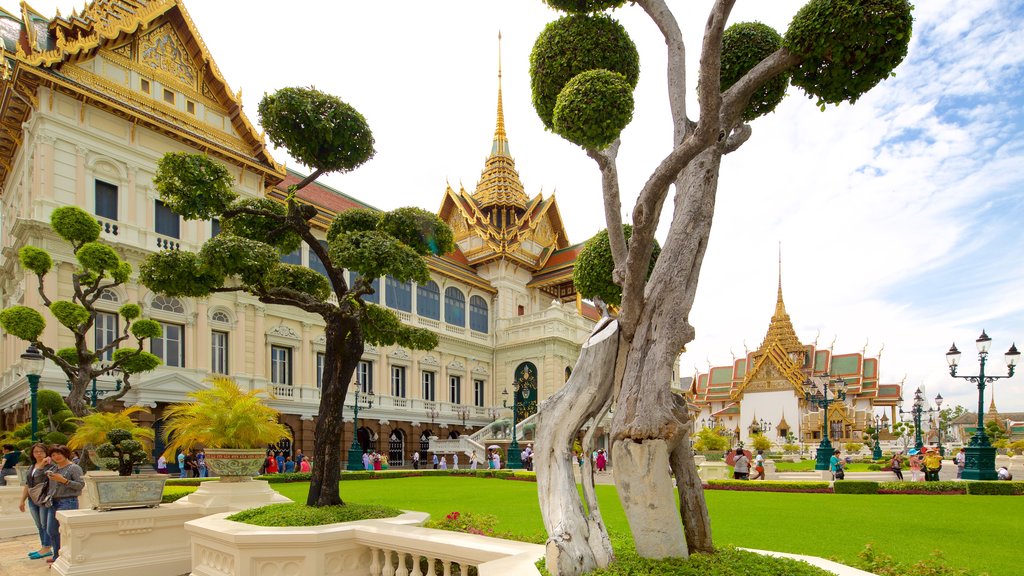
112	492
235	464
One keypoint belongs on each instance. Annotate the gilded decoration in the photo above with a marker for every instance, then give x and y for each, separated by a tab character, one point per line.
125	51
544	235
164	52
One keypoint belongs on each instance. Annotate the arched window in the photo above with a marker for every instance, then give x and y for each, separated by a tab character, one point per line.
478	314
109	296
454	307
220	316
375	297
428	300
168	304
398	295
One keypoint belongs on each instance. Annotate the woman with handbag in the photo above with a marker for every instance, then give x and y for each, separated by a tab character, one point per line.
33	492
65	486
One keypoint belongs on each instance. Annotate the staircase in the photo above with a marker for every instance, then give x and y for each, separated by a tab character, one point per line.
476	443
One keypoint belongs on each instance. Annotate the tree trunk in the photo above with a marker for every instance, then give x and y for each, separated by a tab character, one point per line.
692	507
75	399
343	350
577	542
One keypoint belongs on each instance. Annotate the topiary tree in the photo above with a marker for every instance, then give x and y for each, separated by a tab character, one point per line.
327	135
125	448
760	442
709	439
99	269
835	51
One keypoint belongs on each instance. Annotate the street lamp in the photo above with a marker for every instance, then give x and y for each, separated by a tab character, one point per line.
938	431
462	412
33	362
514	460
880	423
916	411
355	451
819	397
980	463
765	426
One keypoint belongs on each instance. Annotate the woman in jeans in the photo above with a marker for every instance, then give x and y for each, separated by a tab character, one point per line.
65	485
37	475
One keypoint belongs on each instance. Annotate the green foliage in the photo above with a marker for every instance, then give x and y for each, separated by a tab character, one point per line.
761	442
769	485
884	565
177	273
790	448
75	225
93	428
381	327
35	259
1016	447
293	514
69	314
227	255
268	228
994	431
914	487
97	257
592	274
299	279
848	46
354	220
222	416
575	44
22	322
584	6
121	273
136	361
593	108
744	45
55	437
418	229
855	487
70	355
375	254
317	129
175	493
125	448
724	562
193	185
992	488
711	439
853	447
130	311
49	401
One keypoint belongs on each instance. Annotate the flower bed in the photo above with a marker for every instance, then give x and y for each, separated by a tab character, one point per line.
769	486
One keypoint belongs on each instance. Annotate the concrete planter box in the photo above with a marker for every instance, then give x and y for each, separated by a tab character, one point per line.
235	464
113	492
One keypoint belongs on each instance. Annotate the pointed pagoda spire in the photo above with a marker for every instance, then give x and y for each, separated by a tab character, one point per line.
781	328
500	145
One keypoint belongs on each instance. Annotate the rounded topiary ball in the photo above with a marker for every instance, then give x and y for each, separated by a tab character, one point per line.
593	108
744	45
848	46
575	44
584	6
592	274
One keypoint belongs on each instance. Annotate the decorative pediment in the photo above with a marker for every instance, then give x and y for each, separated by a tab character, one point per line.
401	353
456	365
283	331
430	359
162	52
320	340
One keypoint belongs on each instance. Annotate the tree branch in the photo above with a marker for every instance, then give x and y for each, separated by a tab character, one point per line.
42	293
307	180
735	99
738	137
663	18
606	161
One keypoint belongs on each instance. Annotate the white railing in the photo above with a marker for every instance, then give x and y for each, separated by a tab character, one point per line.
283	391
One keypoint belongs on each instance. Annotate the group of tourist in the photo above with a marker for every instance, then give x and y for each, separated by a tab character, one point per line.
53	483
279	462
742	463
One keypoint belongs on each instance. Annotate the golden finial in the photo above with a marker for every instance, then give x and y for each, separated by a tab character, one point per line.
500	138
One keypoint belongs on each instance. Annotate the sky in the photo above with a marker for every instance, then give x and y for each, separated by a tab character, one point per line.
898	217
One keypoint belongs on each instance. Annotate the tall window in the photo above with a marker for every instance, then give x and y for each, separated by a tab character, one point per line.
105	330
454	307
398	295
214	227
170	346
398	381
168	222
293	257
428	301
455	389
478	314
219	352
375	297
320	356
428	386
106	200
478	392
315	263
281	365
364	376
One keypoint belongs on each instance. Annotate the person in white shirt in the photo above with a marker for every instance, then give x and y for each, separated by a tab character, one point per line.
455	461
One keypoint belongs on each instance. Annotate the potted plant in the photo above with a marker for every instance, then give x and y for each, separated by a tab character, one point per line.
93	429
233	427
125	490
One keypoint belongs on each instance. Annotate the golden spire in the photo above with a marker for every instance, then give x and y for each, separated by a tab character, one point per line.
780	330
500	145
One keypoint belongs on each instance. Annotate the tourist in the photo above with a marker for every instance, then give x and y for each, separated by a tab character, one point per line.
10	460
496	460
602	460
181	464
932	464
741	466
192	463
279	456
1003	474
271	463
960	460
416	460
384	464
472	461
897	465
201	463
444	462
299	457
528	457
836	465
64	486
759	465
366	461
289	465
376	462
435	461
33	492
304	466
915	465
455	461
161	465
75	456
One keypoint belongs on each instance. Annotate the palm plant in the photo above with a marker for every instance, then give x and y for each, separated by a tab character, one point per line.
93	428
222	416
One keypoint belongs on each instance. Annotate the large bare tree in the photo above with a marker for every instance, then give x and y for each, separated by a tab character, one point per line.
583	69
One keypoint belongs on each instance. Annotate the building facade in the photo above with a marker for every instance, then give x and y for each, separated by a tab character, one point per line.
92	101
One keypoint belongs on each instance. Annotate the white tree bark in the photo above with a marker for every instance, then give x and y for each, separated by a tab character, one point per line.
577	541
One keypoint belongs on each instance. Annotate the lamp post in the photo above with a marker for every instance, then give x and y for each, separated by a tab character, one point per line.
355	451
819	397
462	412
880	423
916	410
33	362
765	427
514	460
980	461
938	430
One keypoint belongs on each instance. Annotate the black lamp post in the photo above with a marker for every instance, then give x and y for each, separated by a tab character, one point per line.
819	397
915	412
33	362
515	462
355	451
980	461
880	423
938	429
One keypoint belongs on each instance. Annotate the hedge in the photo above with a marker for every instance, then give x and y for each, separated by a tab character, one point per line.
855	487
172	493
768	486
995	488
944	487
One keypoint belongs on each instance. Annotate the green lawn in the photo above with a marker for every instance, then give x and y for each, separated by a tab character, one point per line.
975	532
808	466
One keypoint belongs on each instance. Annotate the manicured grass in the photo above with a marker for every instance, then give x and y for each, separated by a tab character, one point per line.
808	466
974	532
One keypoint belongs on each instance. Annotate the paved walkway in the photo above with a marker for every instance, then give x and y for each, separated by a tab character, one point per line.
14	560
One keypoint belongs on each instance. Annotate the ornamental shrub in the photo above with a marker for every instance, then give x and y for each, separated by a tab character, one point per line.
848	46
855	487
194	185
34	259
69	355
593	108
318	129
23	322
942	487
75	225
261	228
372	254
299	279
294	514
175	493
69	314
575	44
419	229
992	488
228	255
146	329
134	362
592	275
768	486
354	220
744	45
178	273
97	257
584	6
130	311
